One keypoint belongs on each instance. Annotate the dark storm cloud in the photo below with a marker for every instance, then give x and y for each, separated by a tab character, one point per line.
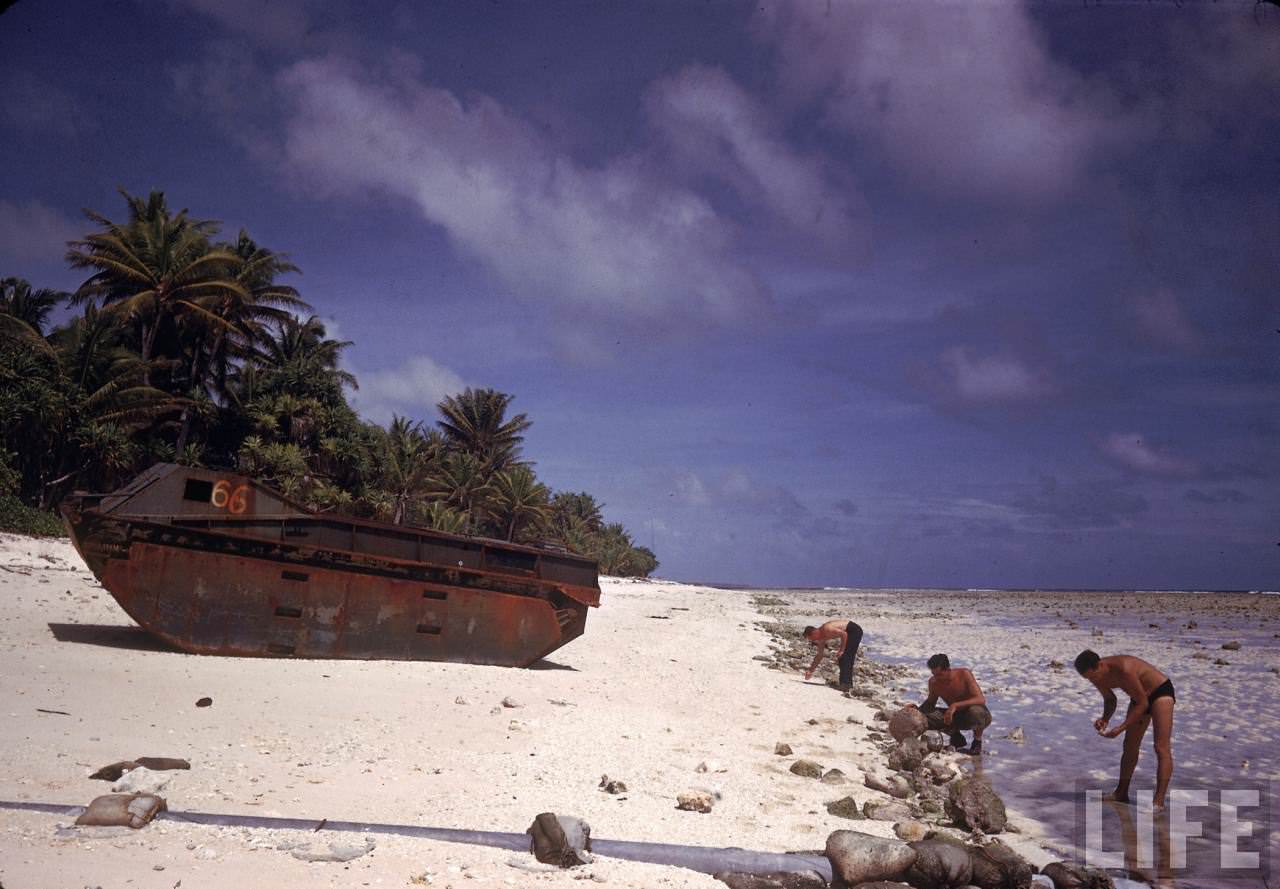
1059	504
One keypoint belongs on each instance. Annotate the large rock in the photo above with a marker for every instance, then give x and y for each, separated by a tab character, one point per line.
894	785
935	741
973	804
911	831
908	722
908	755
939	866
887	810
1066	875
806	768
996	866
861	858
939	767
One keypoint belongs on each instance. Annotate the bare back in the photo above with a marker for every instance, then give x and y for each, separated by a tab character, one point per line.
1124	671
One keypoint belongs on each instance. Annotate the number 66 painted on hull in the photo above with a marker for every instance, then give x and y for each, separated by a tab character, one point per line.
234	500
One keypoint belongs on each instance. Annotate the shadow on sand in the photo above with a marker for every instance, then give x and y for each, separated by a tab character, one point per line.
545	664
109	636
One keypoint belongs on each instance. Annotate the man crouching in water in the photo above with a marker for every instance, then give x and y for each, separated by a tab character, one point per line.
966	704
1151	699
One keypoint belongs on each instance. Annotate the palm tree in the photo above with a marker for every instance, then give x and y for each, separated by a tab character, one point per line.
407	461
519	500
229	323
153	266
475	423
464	483
31	307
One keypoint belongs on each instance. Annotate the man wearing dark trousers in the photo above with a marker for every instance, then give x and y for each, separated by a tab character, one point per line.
966	704
850	636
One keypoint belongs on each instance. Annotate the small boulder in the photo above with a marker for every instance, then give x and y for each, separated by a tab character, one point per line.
887	810
910	831
939	768
935	741
122	810
561	840
1066	875
858	858
204	702
695	801
996	866
511	703
894	785
1231	646
1017	736
906	757
806	768
908	722
845	807
782	749
973	804
834	776
141	780
337	852
939	866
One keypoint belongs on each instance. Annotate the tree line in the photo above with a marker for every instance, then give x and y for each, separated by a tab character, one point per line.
183	347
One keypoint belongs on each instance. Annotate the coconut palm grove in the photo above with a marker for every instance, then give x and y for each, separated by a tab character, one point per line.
185	345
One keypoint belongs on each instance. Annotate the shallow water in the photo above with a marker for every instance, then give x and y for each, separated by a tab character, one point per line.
1226	718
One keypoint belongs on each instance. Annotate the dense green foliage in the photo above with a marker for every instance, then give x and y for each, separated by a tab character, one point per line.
188	349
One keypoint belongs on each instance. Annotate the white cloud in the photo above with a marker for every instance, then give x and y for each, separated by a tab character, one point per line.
614	239
987	379
34	232
413	389
280	22
963	97
716	128
1130	450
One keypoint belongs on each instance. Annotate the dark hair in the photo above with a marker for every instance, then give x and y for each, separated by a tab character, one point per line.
808	630
1086	661
940	661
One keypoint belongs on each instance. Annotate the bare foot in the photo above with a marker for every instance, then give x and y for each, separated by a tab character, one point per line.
1115	797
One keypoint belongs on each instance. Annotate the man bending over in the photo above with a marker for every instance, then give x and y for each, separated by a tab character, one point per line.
966	704
850	636
1151	700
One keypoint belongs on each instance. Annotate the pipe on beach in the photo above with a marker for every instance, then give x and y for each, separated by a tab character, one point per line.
704	859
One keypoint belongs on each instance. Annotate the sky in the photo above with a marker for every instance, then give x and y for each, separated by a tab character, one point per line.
867	294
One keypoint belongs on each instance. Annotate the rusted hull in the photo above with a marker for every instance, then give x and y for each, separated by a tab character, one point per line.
212	585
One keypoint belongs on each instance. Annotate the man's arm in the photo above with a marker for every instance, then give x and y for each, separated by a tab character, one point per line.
931	701
1132	686
844	641
1108	706
973	695
817	659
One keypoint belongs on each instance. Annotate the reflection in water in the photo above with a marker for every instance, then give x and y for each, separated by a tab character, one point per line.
1142	861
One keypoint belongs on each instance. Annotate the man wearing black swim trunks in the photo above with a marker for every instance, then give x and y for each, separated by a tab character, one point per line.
850	636
1151	701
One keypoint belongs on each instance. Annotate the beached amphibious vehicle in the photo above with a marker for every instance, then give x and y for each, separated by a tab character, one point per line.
216	563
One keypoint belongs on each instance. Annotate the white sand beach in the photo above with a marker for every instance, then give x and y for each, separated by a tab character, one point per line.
663	681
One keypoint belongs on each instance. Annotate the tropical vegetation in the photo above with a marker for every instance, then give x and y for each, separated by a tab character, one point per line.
181	347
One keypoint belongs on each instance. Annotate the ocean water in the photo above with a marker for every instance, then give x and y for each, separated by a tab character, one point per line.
1226	723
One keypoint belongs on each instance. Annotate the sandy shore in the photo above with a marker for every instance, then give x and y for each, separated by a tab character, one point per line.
665	679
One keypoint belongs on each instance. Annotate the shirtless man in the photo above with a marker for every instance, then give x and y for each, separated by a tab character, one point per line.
1151	699
850	636
966	704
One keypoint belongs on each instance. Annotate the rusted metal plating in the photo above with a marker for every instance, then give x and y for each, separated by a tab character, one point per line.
215	563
